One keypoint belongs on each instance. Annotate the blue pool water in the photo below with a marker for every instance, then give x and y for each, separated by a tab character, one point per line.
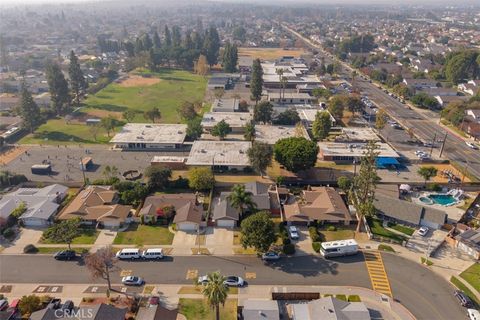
442	199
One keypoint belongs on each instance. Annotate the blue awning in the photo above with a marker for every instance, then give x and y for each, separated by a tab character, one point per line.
385	162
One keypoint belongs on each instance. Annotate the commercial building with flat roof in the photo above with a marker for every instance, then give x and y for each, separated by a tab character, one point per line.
294	73
271	134
307	115
222	155
358	135
236	120
225	105
347	152
290	98
146	136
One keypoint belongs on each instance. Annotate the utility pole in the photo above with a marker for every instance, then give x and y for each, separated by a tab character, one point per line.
83	171
443	144
433	143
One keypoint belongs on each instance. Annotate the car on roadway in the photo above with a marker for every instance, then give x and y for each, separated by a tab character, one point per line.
428	144
293	231
65	255
423	231
471	145
234	281
3	304
473	314
463	299
270	256
132	281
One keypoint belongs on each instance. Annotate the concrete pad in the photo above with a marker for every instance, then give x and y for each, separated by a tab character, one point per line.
26	236
304	244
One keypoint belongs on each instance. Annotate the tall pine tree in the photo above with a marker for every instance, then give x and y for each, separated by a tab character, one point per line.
77	80
28	110
230	58
256	82
211	45
58	88
156	40
168	37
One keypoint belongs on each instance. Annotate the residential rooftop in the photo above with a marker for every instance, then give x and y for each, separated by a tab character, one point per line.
151	133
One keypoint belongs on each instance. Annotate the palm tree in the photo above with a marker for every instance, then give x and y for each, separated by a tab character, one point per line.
280	77
215	291
241	199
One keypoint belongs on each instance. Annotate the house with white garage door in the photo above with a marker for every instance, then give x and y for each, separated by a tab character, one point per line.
41	204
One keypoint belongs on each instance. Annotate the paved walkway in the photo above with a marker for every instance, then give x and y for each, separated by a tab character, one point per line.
105	238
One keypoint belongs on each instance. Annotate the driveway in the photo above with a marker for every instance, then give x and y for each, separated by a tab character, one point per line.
26	236
304	244
219	240
184	240
430	242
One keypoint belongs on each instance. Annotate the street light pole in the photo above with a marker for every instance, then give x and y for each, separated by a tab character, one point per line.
83	171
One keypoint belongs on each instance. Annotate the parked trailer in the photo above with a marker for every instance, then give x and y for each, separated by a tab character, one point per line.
339	248
41	169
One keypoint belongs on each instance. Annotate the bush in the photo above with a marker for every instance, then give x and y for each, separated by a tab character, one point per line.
354	298
30	248
332	228
8	233
316	246
289	248
314	234
426	262
434	187
286	241
384	247
341	297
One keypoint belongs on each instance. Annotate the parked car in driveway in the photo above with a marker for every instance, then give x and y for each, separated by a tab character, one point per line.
269	256
462	298
423	231
65	255
132	281
293	231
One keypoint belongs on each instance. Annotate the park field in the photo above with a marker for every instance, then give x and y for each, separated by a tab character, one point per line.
139	91
269	53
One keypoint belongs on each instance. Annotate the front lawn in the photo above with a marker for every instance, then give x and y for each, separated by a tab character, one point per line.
377	229
198	309
140	234
48	250
472	276
86	236
401	228
341	233
457	283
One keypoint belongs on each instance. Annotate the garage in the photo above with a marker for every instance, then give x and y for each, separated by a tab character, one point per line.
32	222
226	223
187	226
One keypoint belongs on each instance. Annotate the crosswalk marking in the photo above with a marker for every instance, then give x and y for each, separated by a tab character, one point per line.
377	273
125	273
250	275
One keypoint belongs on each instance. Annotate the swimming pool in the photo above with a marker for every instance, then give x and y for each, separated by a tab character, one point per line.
442	199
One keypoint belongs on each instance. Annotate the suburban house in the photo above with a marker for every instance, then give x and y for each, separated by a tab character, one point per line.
330	308
472	87
41	204
260	309
146	136
409	213
236	120
98	206
221	155
321	204
156	312
188	211
419	84
95	312
445	100
466	240
224	215
474	114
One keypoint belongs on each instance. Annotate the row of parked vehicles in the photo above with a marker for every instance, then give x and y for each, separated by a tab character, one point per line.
466	302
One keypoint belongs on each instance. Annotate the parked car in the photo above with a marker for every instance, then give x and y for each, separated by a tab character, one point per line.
293	233
128	254
267	256
423	231
234	281
154	301
471	145
153	253
462	298
3	304
65	255
203	280
473	314
67	305
54	304
132	281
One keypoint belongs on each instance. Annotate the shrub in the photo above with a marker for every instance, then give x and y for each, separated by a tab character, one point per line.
286	241
434	187
289	248
384	247
426	262
316	246
314	234
30	248
332	228
8	233
341	297
354	298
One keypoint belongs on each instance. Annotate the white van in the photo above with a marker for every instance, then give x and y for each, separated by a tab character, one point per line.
153	253
338	248
128	254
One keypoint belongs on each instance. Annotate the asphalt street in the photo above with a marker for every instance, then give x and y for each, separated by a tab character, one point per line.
425	294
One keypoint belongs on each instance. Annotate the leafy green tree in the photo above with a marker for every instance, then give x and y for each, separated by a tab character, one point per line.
129	115
239	33
194	128
152	114
256	81
336	106
110	172
58	88
423	100
77	80
427	173
221	129
211	45
380	119
365	183
28	110
156	40
344	183
262	112
241	199
63	232
288	118
321	125
29	304
296	153
215	291
187	110
158	177
260	156
168	37
230	58
108	124
321	93
249	134
201	178
462	65
258	232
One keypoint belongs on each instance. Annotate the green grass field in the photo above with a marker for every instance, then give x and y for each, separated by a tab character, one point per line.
174	87
86	236
140	235
472	276
199	309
